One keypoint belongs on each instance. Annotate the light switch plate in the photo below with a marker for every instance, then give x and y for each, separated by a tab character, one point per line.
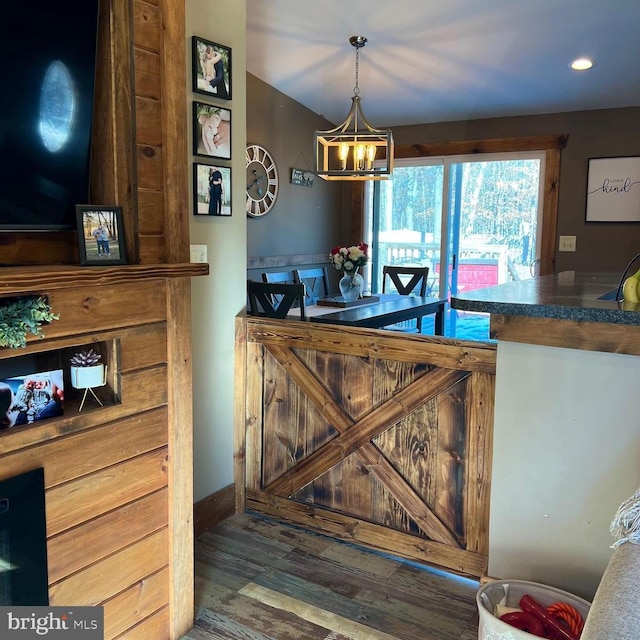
198	252
567	243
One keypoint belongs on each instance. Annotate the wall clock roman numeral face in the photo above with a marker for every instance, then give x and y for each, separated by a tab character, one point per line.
262	181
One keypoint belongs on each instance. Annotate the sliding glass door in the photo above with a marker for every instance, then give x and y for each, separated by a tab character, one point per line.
473	220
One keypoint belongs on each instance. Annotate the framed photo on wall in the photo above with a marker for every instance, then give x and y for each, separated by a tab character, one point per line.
613	190
100	235
211	190
211	68
211	131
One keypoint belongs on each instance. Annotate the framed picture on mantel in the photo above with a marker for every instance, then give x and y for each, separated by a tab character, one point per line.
100	235
613	190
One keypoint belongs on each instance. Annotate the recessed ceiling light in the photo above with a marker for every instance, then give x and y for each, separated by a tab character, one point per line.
582	64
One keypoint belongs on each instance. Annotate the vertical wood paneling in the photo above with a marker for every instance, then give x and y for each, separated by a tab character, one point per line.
174	132
120	100
480	429
180	419
452	458
550	211
242	410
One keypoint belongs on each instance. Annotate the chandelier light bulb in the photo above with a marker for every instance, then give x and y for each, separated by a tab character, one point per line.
371	156
343	154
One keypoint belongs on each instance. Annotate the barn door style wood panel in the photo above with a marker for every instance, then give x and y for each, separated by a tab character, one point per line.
380	438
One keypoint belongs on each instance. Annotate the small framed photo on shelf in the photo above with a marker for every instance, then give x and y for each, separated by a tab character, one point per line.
211	190
211	131
613	190
211	68
100	235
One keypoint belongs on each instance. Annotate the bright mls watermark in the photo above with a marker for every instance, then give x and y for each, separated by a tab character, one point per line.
52	623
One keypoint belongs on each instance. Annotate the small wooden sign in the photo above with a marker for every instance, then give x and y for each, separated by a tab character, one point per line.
302	177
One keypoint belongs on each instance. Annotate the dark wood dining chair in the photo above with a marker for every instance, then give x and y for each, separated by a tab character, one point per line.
405	281
275	299
316	282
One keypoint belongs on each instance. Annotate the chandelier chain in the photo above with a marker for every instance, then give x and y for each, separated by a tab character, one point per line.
356	89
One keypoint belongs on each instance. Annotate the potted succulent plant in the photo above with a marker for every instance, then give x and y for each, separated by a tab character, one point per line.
86	369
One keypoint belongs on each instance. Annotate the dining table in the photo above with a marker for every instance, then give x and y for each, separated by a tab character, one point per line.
382	311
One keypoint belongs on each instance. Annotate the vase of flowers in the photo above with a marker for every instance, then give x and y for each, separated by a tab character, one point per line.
349	260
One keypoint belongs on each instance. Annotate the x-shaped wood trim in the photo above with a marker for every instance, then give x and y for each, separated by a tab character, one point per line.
356	436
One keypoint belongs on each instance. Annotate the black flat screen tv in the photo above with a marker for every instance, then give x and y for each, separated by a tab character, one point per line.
47	66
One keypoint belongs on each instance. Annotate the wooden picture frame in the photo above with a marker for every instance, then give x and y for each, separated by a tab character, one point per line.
211	131
613	190
211	68
204	201
100	235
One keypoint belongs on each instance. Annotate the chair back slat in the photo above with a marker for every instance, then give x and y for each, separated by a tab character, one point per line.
279	276
316	281
274	299
282	277
416	282
406	281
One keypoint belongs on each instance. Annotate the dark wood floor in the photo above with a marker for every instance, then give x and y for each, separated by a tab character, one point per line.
260	580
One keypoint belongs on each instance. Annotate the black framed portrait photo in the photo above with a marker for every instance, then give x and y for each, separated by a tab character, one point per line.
211	131
211	190
211	68
100	235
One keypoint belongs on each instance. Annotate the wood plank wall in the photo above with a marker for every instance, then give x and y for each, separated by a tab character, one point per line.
119	478
106	469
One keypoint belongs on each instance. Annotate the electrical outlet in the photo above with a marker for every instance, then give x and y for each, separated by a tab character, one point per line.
198	252
567	243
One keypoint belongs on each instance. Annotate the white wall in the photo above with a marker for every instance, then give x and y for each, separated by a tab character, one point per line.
566	455
217	298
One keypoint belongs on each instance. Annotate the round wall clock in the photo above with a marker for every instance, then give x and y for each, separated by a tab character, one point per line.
262	181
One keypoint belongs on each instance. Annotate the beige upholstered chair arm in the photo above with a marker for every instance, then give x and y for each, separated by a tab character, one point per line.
615	612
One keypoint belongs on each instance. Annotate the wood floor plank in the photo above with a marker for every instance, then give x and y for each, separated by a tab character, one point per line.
297	537
319	616
363	560
276	624
369	614
258	579
214	625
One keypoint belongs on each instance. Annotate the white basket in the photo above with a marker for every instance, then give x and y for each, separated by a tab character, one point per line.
491	593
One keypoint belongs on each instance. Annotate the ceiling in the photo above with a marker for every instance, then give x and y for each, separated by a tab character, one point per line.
446	60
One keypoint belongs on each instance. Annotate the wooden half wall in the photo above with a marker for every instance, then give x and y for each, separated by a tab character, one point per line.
371	436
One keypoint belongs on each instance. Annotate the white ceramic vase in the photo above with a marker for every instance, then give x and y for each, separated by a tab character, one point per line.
88	377
351	285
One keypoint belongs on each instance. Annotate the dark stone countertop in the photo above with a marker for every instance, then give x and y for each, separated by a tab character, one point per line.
567	295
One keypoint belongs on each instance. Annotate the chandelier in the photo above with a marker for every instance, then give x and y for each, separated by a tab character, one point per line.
354	150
